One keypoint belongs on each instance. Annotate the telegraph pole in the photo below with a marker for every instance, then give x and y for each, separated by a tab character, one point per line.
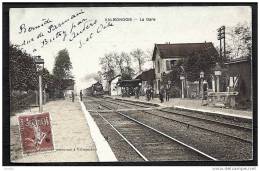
221	38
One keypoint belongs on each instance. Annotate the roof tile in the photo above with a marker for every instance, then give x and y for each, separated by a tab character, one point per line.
183	49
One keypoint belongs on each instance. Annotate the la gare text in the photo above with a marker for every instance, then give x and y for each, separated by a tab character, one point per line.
130	19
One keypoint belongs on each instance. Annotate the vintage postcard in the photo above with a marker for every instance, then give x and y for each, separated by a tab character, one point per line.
134	83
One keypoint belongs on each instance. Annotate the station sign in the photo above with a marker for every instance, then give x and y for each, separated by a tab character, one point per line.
36	133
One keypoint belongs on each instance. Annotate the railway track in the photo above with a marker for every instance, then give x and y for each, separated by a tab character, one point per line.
219	145
222	147
235	122
227	129
149	143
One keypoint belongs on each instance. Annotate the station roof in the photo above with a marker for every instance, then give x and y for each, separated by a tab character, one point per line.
147	75
71	87
114	78
181	50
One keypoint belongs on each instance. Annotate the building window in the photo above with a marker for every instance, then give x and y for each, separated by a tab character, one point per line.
158	63
170	64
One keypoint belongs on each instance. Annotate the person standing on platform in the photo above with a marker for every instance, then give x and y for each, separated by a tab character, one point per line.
137	92
72	96
148	93
161	94
81	95
152	93
167	93
205	93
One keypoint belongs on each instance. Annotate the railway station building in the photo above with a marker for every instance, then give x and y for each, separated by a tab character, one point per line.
147	78
166	56
240	79
115	90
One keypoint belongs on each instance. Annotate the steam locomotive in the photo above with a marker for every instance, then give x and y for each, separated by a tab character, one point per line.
95	90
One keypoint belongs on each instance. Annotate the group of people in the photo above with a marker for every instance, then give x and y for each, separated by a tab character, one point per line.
164	90
73	96
149	93
126	92
163	93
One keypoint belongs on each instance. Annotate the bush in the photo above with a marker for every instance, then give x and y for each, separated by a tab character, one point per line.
20	100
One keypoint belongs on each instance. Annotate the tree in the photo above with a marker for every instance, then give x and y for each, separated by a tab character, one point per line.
113	64
62	67
139	57
127	58
119	61
48	80
62	70
23	77
108	66
239	41
202	60
22	70
149	55
99	77
128	71
174	74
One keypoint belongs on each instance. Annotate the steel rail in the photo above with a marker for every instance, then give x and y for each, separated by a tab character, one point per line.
199	127
195	126
136	150
222	123
166	135
209	120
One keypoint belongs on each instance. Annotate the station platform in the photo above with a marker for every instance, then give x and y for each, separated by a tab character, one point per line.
73	132
191	105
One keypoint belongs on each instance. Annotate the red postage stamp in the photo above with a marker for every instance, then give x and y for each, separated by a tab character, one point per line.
36	133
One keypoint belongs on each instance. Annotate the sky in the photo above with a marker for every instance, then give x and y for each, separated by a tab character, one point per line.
86	46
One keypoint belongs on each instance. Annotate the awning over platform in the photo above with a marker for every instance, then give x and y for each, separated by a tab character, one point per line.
129	83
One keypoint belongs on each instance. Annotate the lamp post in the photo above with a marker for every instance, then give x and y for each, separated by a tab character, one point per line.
217	72
39	61
45	97
213	83
168	90
139	90
201	83
182	78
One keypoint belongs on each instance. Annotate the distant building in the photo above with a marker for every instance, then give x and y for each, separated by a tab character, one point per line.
67	86
240	78
166	56
68	91
115	90
147	78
